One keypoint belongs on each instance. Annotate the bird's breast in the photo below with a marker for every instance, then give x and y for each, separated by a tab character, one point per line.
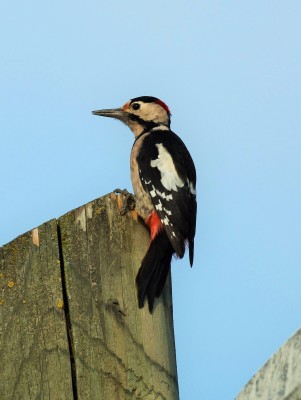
144	205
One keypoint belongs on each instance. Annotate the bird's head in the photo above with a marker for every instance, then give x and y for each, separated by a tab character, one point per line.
141	113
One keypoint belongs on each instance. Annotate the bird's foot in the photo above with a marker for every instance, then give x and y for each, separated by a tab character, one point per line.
127	199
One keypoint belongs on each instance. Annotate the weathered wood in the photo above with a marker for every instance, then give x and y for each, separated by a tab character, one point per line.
280	377
120	352
34	352
70	327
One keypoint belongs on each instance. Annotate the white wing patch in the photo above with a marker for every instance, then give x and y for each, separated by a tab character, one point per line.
169	176
167	197
153	192
165	221
168	212
158	206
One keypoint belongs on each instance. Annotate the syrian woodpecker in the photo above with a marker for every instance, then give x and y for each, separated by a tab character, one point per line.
164	179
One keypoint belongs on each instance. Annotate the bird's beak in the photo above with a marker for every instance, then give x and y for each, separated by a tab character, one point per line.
117	113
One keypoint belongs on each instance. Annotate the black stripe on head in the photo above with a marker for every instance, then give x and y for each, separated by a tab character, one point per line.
148	125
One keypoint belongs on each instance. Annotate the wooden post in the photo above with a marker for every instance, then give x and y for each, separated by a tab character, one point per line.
34	353
280	377
70	327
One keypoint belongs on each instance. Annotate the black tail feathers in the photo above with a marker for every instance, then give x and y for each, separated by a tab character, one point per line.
154	270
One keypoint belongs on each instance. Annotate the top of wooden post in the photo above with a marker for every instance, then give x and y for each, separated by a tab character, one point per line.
70	323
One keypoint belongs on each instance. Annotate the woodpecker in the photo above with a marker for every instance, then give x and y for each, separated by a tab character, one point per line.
164	181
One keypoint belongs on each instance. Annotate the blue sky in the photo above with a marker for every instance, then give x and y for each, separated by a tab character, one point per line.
230	73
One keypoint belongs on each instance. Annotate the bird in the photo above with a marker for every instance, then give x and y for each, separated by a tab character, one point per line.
163	177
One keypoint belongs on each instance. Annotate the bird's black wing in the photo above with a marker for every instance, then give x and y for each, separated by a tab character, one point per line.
167	173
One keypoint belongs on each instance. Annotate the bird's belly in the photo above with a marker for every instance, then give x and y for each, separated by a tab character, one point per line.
144	206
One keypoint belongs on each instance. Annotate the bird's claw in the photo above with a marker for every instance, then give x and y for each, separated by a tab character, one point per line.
128	201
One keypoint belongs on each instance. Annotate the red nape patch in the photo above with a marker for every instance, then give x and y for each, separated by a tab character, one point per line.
163	105
154	223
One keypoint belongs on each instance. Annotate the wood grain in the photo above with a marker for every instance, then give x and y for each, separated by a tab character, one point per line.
70	327
120	352
34	353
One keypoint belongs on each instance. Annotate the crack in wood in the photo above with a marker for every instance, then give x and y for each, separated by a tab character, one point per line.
67	315
70	327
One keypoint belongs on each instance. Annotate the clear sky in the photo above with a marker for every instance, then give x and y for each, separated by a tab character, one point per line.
230	73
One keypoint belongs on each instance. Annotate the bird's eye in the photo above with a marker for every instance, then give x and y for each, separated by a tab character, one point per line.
135	106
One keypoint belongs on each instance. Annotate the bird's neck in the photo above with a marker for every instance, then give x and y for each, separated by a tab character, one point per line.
138	129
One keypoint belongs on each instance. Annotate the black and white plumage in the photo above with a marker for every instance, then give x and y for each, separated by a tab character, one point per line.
164	180
168	175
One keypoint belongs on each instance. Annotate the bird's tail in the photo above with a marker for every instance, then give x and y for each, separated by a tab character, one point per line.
154	270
